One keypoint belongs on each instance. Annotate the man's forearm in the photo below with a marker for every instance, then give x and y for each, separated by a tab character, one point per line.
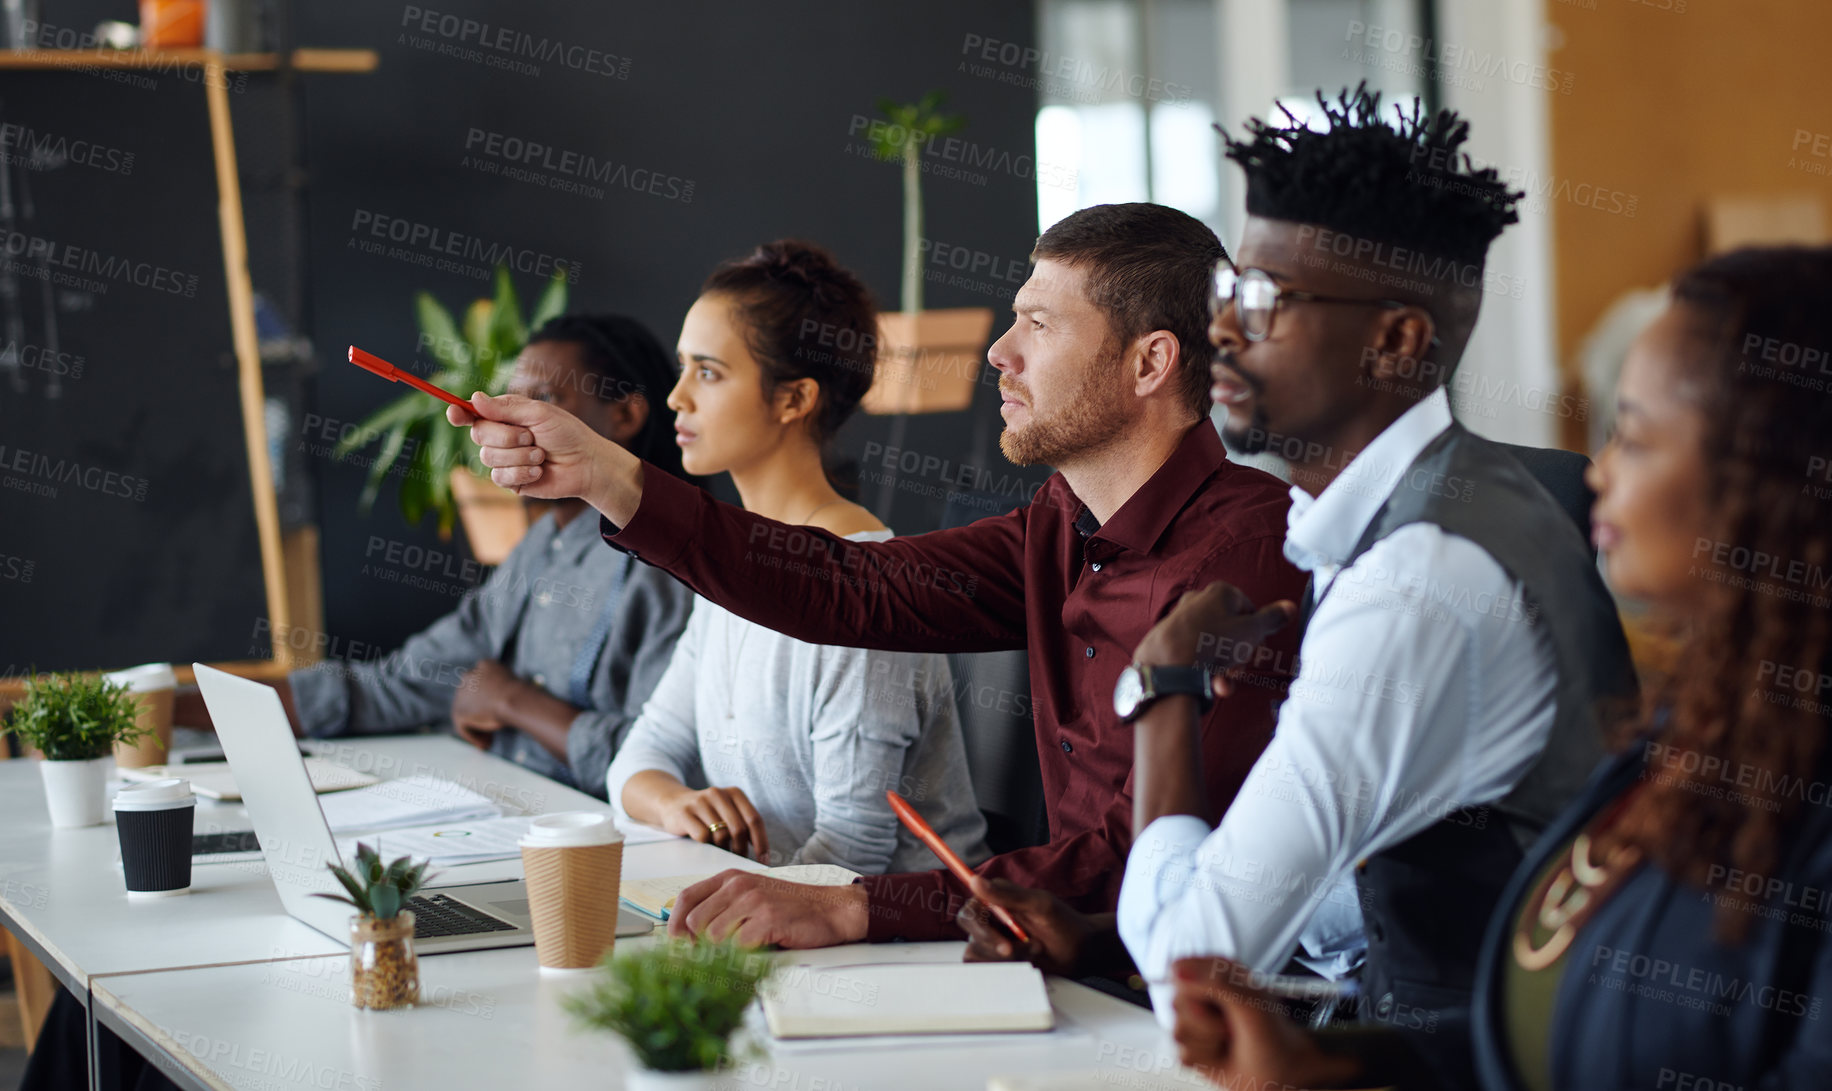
617	490
1167	763
541	716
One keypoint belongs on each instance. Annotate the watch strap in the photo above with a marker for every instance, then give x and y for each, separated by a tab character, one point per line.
1168	681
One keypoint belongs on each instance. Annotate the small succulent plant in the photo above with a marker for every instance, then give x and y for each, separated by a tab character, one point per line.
377	891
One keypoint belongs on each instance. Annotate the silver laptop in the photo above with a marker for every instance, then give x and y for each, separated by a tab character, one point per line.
297	845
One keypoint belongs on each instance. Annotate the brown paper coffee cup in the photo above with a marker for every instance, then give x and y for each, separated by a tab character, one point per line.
572	887
153	687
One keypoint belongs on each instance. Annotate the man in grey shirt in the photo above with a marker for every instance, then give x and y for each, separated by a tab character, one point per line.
549	661
500	668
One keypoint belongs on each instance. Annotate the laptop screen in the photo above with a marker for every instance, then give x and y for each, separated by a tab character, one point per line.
295	840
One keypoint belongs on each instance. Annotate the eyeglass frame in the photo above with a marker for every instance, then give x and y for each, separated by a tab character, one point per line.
1281	293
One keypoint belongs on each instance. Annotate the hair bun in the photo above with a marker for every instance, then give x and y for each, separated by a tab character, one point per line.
810	265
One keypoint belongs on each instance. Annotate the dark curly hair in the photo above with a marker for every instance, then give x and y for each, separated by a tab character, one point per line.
1408	183
1750	313
805	316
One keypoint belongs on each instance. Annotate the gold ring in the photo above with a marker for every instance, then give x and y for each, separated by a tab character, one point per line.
713	829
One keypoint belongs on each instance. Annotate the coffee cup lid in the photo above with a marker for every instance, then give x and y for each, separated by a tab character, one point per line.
571	828
155	795
146	677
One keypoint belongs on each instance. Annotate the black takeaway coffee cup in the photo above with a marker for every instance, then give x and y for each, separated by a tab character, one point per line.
154	822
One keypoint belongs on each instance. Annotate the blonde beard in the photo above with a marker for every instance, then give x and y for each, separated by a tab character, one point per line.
1091	419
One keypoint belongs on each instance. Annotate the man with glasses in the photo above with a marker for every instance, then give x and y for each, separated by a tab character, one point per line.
1455	635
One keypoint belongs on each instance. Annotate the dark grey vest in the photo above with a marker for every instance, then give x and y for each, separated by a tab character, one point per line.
1426	900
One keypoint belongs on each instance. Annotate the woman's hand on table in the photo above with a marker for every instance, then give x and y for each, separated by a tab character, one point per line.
717	816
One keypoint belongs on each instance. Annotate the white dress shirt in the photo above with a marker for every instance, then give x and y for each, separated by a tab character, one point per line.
1423	686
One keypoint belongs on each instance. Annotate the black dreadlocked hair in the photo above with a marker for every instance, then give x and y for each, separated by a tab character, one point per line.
1409	185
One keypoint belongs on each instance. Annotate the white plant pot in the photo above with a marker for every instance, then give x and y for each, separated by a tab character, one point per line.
76	792
637	1078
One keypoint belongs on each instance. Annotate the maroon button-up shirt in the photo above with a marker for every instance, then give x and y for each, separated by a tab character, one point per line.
1079	595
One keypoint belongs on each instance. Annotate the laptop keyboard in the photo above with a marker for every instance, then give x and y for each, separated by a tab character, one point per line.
438	915
212	844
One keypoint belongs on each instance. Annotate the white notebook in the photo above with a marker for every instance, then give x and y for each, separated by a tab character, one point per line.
850	1001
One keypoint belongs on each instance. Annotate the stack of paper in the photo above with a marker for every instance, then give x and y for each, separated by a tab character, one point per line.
409	801
447	844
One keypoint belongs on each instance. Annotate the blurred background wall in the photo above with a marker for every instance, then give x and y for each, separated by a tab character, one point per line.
1644	133
1697	126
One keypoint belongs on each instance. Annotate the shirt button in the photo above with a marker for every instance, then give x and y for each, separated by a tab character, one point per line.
1090	653
540	680
1095	566
1066	748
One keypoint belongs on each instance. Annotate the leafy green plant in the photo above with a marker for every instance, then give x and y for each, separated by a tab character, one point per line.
478	356
910	126
676	1002
74	717
378	891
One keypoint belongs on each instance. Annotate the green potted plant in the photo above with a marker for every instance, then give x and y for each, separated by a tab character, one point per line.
928	361
384	971
443	473
676	1003
74	721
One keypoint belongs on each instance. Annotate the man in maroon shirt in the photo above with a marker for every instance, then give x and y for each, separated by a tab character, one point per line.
1104	376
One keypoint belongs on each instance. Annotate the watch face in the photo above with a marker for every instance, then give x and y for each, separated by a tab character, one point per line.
1128	692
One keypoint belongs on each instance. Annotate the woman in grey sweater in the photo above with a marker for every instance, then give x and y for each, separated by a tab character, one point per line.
753	741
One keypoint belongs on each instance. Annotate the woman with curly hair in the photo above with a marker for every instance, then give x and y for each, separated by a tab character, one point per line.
1674	928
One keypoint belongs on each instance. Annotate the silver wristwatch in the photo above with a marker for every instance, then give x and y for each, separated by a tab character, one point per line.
1139	686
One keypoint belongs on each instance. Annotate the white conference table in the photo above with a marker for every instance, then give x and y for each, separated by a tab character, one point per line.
222	989
489	1019
62	893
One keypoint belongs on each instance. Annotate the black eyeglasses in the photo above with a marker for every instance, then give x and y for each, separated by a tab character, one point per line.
1256	296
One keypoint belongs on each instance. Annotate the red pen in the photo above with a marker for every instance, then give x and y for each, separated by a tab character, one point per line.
907	814
368	361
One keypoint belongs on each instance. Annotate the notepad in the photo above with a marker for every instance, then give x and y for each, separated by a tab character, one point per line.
655	897
408	801
215	780
849	1001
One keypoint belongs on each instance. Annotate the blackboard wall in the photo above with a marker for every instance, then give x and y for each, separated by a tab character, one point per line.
735	122
127	528
730	123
